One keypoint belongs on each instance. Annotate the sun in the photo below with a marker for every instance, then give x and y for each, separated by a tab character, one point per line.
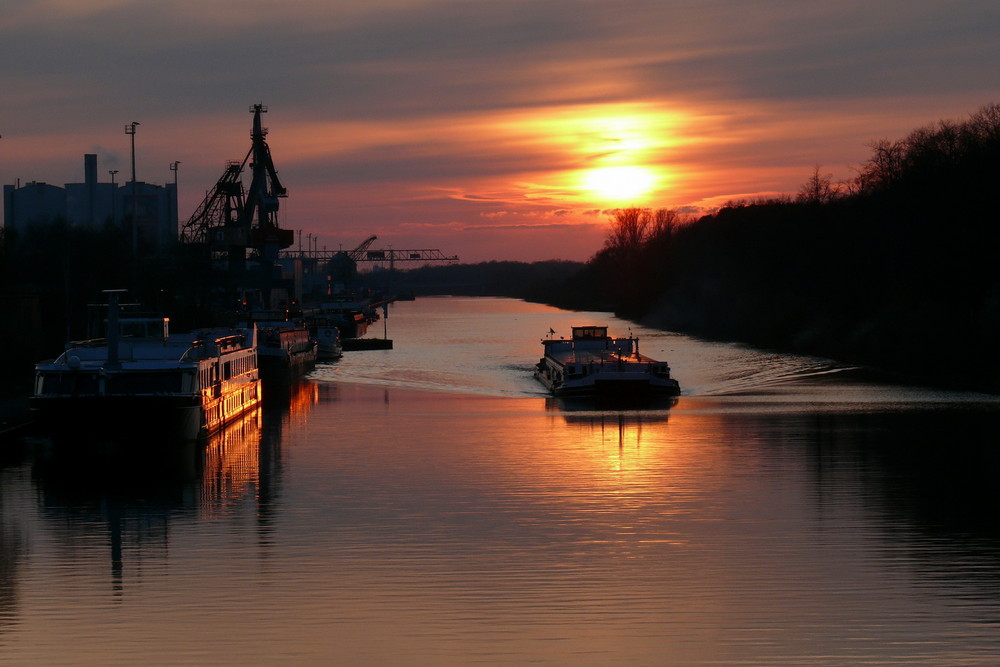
619	184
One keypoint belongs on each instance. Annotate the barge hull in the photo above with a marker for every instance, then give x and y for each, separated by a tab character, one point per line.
154	418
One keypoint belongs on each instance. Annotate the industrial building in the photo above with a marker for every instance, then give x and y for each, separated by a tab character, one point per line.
92	204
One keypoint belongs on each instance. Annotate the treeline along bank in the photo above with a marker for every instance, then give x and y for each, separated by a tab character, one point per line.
895	269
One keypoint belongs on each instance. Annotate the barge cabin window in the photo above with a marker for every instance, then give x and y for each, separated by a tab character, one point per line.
589	332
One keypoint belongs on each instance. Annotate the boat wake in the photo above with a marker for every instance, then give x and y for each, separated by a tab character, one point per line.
771	381
500	381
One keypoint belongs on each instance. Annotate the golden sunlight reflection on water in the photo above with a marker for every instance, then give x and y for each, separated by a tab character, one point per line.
430	505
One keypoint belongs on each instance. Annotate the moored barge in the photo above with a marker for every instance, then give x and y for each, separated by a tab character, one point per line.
327	335
287	350
142	381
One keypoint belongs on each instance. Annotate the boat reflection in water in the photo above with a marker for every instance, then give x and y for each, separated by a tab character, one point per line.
231	466
129	500
624	428
650	404
293	401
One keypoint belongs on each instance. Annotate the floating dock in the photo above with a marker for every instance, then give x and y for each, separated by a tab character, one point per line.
354	344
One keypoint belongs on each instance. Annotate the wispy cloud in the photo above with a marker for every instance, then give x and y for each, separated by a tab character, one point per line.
426	119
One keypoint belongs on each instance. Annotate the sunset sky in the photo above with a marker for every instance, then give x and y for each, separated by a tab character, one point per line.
489	130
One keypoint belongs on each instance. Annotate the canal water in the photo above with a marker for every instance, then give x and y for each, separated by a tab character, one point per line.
429	505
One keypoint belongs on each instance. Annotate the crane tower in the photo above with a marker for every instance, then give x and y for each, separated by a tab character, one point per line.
232	219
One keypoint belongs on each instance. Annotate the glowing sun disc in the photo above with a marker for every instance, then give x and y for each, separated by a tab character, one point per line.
619	183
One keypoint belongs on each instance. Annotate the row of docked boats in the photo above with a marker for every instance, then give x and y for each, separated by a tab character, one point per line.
141	378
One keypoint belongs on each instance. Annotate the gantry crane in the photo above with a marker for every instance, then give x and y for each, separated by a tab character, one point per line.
324	270
364	253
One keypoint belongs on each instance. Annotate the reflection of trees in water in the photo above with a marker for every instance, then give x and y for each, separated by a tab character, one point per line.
928	477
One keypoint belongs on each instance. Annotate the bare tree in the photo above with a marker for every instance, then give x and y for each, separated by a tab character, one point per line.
818	188
629	227
883	167
986	122
665	222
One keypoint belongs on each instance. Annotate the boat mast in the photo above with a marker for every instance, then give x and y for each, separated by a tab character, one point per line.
114	327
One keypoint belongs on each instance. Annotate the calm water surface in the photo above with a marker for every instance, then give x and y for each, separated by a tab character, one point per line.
429	505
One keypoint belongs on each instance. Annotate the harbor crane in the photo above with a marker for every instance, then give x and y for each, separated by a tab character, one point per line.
358	252
232	219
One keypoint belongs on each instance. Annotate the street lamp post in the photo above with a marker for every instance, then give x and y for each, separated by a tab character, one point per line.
130	130
173	168
114	196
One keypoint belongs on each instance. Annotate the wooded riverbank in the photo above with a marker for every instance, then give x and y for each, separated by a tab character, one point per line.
895	270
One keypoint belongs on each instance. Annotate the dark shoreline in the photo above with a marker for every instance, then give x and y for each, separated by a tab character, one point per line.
15	416
15	412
